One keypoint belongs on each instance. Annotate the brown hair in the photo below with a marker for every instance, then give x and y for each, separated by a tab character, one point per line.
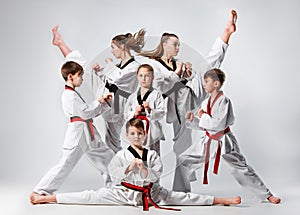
159	51
70	67
135	122
146	66
216	75
132	42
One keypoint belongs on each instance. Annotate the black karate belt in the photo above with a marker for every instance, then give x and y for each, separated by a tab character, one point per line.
146	196
117	93
89	123
177	86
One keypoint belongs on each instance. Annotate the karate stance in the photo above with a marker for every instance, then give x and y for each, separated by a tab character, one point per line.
81	135
149	105
183	89
134	171
215	117
120	79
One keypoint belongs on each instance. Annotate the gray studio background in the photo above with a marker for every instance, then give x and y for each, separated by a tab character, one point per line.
262	66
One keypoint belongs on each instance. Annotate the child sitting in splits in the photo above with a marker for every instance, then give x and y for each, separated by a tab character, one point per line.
134	171
215	116
81	135
148	105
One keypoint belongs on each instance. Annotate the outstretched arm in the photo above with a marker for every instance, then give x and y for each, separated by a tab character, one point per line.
59	42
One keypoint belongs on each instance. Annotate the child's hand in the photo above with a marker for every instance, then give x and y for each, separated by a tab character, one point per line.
107	60
188	69
189	116
101	99
179	66
140	164
96	67
146	106
108	97
136	162
200	112
132	165
138	111
105	99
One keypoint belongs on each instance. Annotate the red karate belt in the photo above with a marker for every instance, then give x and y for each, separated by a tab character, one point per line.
89	123
146	196
211	137
142	117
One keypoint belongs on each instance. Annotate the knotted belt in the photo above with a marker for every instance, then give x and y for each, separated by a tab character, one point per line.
146	196
116	90
140	100
117	93
143	117
177	86
211	137
89	123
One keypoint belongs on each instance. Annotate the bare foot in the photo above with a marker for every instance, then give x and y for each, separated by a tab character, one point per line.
231	27
228	201
57	39
274	200
35	198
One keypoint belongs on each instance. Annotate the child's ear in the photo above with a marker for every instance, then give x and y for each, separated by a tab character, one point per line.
217	84
70	77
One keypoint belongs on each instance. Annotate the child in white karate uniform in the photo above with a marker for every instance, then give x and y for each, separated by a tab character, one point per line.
132	169
149	105
81	135
120	79
184	89
215	117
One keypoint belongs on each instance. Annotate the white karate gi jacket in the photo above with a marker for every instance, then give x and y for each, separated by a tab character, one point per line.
73	105
125	79
221	118
118	194
158	111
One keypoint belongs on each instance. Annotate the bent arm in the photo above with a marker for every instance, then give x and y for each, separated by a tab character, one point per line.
221	118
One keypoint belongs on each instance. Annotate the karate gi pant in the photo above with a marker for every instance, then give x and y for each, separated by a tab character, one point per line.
113	134
182	142
192	159
121	196
97	153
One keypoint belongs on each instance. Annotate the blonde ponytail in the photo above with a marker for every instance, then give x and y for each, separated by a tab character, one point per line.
159	51
132	42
